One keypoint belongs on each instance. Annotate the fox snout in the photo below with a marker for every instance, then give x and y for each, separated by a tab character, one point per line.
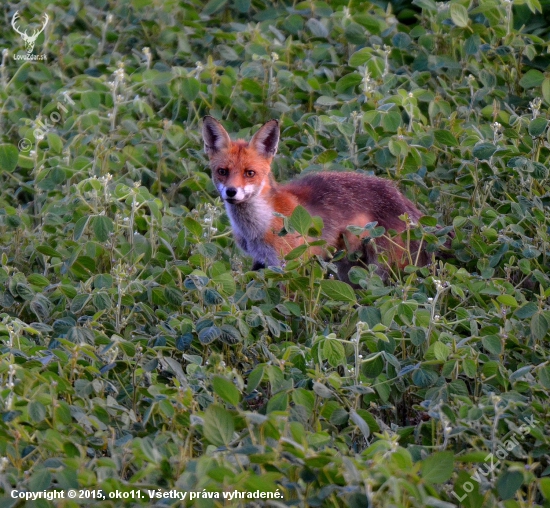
233	194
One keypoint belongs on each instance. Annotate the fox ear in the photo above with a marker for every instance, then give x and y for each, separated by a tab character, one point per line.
215	137
266	140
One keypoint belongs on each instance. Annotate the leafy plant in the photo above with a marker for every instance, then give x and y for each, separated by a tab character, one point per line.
139	353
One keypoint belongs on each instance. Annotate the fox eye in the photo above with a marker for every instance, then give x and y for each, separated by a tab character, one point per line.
249	173
223	172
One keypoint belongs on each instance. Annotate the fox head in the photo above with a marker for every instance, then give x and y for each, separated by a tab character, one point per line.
240	170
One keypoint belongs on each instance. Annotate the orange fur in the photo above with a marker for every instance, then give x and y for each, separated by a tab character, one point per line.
241	172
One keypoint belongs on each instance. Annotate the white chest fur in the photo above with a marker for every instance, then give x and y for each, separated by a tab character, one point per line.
251	220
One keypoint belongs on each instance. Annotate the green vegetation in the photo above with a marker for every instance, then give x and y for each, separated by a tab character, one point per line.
138	350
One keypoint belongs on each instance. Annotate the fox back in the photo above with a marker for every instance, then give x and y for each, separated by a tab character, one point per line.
241	172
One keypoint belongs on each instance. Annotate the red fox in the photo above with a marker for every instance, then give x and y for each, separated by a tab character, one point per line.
241	172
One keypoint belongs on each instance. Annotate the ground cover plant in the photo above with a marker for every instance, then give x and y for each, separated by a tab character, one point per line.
139	355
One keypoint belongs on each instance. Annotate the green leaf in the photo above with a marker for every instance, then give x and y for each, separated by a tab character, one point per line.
279	402
219	425
526	311
508	300
544	376
508	483
539	326
438	468
300	220
226	390
445	137
347	81
230	335
546	90
210	296
325	100
90	100
79	302
537	126
544	487
322	391
338	291
391	121
227	283
190	88
484	151
102	227
38	280
37	411
209	335
362	424
492	343
8	157
55	142
531	79
79	227
459	15
441	351
296	252
213	6
327	156
333	351
401	40
40	480
48	251
360	57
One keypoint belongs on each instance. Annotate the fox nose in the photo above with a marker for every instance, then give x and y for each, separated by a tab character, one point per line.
231	192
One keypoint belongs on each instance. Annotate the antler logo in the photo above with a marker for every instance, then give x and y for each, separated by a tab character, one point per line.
29	39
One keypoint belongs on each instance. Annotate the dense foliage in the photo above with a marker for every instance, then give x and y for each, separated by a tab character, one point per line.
138	350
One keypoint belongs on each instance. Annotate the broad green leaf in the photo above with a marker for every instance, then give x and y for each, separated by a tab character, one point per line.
539	326
8	157
459	15
508	300
526	311
484	151
508	483
360	57
532	78
40	480
445	137
492	343
362	424
546	90
226	390
334	352
544	487
209	335
102	227
279	402
438	467
537	126
441	351
218	426
55	142
190	89
193	226
213	6
37	411
300	220
338	290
